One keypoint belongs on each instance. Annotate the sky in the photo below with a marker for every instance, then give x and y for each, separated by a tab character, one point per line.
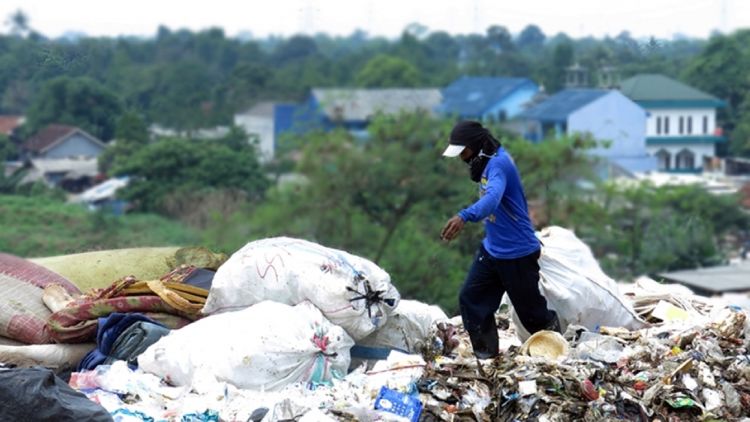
577	18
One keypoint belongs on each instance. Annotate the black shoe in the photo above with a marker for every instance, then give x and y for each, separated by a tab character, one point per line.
486	344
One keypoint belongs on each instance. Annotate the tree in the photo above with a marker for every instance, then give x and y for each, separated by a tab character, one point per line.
7	148
531	37
740	144
247	82
295	48
721	69
384	71
131	128
552	171
19	23
81	102
131	135
187	167
499	39
562	58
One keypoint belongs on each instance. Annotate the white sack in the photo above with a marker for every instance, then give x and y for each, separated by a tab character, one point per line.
291	271
409	327
576	287
264	347
47	355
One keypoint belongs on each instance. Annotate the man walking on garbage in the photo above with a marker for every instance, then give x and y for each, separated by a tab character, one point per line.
507	257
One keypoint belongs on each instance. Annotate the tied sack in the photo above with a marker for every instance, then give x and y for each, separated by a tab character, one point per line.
576	287
351	291
264	347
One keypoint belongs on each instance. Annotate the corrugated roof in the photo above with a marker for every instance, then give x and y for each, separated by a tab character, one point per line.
558	107
472	96
262	109
362	104
47	136
654	87
725	278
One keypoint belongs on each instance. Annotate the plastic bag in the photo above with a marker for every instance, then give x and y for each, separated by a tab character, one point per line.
409	327
576	287
264	347
352	292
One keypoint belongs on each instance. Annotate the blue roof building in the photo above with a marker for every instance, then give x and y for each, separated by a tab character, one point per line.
487	98
605	115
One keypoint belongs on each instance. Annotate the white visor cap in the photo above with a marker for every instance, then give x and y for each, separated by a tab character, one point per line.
453	150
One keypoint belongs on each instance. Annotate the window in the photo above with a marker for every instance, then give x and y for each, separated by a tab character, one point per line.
663	157
705	125
658	125
681	126
685	160
690	125
666	125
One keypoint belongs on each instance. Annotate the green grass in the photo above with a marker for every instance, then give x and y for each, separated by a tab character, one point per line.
36	226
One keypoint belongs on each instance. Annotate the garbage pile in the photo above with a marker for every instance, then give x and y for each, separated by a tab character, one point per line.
286	329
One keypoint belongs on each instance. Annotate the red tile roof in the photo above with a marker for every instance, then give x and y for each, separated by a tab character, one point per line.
47	136
9	123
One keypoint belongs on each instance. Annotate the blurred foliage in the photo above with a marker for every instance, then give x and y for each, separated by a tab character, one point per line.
388	72
79	101
189	167
187	80
38	226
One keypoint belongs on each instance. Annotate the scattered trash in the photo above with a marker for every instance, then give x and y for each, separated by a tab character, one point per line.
401	404
548	344
648	352
665	311
527	388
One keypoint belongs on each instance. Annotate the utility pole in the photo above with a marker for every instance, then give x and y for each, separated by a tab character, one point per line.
724	20
476	22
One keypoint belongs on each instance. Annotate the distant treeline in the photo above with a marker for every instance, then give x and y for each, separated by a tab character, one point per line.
185	80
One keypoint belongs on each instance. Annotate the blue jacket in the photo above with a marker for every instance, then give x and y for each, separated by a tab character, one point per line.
502	205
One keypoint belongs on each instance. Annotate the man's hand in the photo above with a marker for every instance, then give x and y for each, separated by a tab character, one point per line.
452	228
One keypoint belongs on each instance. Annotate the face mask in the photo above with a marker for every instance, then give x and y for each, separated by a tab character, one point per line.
477	165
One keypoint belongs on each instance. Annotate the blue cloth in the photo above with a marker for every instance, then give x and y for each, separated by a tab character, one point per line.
502	205
110	328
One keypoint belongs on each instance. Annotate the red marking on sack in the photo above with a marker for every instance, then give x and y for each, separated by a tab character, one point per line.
269	267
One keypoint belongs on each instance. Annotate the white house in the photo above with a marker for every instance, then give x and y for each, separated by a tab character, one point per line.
681	129
259	122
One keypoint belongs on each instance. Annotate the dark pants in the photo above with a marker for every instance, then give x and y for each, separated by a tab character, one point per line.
487	281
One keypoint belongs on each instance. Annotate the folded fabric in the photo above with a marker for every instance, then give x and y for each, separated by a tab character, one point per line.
134	341
109	332
78	323
168	301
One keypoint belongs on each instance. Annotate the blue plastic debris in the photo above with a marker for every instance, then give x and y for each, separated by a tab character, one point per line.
398	403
